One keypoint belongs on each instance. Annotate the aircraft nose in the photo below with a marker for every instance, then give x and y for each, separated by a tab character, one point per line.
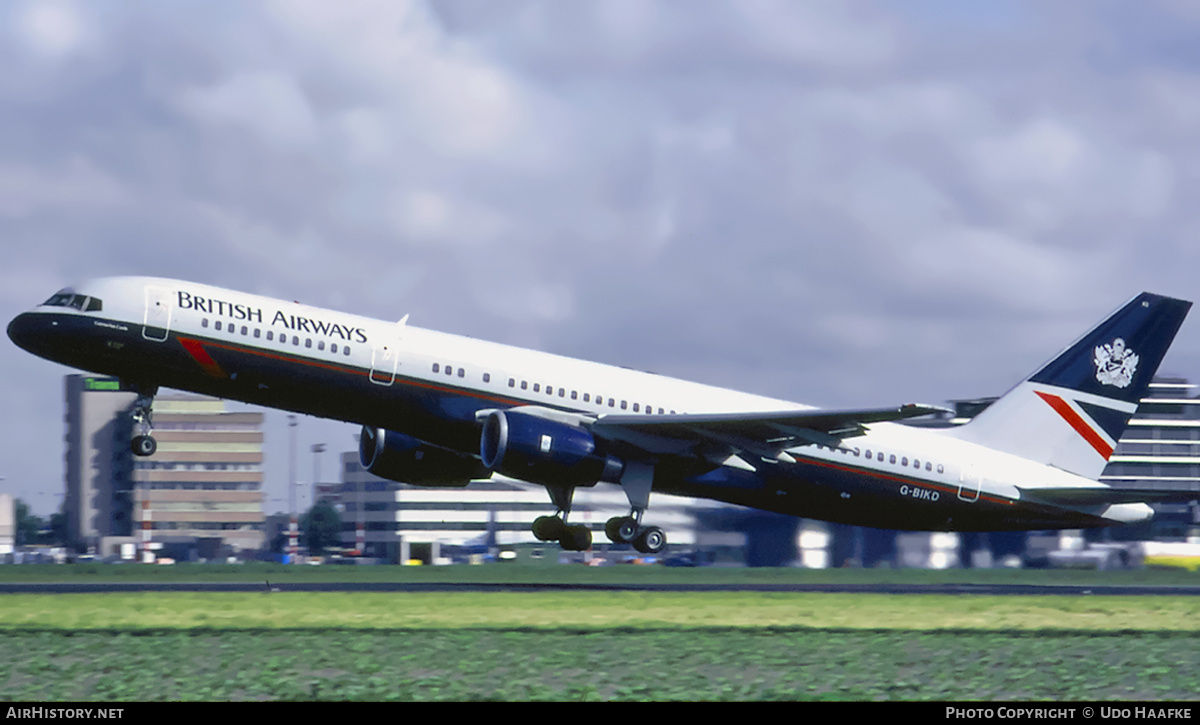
28	331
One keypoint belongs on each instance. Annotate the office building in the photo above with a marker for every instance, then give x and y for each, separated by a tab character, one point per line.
202	489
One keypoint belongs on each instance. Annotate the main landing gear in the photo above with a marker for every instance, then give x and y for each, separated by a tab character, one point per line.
143	444
629	530
637	480
572	537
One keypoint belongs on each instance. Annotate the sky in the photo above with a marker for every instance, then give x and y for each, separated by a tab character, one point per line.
837	203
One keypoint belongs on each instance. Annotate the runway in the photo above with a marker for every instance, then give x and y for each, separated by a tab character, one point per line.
268	586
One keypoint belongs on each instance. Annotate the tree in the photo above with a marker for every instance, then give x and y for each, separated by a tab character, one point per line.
28	526
321	528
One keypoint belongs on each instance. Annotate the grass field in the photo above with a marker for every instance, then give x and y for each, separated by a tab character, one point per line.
532	574
585	645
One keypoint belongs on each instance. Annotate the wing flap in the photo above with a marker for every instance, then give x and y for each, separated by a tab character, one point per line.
767	432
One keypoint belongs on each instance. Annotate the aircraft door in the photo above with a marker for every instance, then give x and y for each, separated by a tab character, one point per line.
385	357
968	483
156	323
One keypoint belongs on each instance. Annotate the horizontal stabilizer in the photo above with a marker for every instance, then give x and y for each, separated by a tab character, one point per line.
1100	496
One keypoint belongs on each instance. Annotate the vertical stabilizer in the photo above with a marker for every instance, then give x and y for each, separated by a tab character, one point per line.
1070	413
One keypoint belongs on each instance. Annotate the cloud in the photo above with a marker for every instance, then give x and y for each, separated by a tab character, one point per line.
829	202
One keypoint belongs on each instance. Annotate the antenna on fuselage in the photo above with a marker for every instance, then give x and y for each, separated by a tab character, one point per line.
403	320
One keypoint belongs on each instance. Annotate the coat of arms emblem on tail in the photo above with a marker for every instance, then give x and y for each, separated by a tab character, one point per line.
1115	364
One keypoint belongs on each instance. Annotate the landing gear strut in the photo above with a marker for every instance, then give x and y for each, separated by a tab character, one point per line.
572	537
143	444
637	480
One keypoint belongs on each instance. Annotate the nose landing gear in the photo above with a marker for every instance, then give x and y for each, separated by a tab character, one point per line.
143	444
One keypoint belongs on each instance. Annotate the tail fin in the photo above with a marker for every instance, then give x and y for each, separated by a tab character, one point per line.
1070	413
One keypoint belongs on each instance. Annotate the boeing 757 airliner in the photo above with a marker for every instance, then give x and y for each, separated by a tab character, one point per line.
442	410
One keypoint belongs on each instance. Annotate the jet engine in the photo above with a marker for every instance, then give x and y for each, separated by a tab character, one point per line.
540	450
399	457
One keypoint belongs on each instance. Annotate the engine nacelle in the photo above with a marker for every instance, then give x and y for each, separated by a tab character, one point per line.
549	452
399	457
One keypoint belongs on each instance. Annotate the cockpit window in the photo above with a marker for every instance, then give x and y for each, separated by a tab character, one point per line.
83	303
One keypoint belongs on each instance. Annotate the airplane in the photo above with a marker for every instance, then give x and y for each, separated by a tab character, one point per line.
442	410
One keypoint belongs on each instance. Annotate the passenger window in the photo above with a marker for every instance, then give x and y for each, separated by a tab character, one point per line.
623	405
308	342
437	368
587	397
916	463
449	370
461	372
574	395
635	407
333	347
204	322
879	457
217	326
512	382
487	377
892	458
940	468
346	350
245	330
258	333
270	335
928	466
904	461
537	387
296	340
612	402
524	385
562	392
321	345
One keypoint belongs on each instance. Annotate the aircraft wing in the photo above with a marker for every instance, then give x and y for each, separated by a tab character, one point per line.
765	434
1100	496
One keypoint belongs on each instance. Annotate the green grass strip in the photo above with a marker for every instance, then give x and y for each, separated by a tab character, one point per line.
585	610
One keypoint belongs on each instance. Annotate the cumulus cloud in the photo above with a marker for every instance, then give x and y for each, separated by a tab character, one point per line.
839	203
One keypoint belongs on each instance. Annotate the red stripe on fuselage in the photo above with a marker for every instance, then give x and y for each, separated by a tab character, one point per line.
1078	423
198	353
193	345
876	473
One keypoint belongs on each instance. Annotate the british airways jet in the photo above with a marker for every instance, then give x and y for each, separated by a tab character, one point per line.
442	410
